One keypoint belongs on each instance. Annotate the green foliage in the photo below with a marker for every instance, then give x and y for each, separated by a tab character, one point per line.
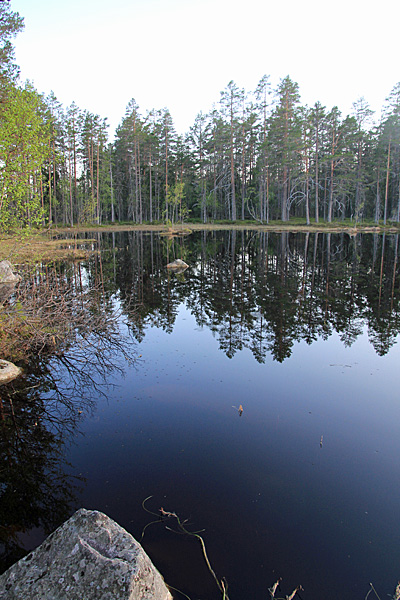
251	158
175	201
24	146
10	24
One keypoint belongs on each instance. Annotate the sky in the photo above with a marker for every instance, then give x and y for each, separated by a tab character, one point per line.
180	54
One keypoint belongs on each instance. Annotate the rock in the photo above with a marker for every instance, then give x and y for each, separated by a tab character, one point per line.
8	371
90	557
177	264
6	273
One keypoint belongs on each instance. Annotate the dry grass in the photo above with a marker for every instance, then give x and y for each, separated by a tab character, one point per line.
40	247
54	245
48	311
186	228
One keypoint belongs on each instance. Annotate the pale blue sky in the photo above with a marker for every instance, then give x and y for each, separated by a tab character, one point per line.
182	53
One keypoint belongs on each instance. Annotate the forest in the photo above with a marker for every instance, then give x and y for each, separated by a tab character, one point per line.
257	156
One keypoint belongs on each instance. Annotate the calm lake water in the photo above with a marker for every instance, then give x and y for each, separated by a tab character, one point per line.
301	331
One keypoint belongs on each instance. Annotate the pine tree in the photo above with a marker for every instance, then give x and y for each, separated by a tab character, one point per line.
262	93
231	99
317	117
10	24
285	135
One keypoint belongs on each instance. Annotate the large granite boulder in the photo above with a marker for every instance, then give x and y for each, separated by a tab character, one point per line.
90	557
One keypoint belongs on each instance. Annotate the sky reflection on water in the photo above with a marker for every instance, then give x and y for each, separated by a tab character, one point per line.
268	495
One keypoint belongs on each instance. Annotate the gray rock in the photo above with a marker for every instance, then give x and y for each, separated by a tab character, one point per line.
90	557
7	274
177	264
8	371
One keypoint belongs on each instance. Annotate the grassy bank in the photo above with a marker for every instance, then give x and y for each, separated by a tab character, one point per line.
59	243
42	246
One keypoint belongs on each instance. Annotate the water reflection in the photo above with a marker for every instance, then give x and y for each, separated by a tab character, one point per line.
41	412
36	492
265	291
306	476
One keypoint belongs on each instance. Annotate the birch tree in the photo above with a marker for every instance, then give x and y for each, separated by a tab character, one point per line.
24	147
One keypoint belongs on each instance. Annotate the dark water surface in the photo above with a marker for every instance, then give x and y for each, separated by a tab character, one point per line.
301	331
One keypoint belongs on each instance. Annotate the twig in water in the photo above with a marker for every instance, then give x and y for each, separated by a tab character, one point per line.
222	585
146	509
146	526
165	513
171	587
159	518
292	595
372	589
397	592
272	590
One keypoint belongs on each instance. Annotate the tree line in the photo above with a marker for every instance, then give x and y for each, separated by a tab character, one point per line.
257	155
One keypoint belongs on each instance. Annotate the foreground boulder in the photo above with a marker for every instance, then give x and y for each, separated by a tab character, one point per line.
90	557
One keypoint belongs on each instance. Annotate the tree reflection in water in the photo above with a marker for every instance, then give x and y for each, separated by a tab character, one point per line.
41	411
266	291
259	291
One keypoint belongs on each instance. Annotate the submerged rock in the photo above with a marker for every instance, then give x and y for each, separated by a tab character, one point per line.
8	371
89	557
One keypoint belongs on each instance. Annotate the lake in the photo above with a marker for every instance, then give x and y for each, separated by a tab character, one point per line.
255	394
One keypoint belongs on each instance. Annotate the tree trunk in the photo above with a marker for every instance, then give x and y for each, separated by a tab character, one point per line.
112	191
166	174
233	197
377	200
150	188
50	208
97	183
387	185
316	174
71	204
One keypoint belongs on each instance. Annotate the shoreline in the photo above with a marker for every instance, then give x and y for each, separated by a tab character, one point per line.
60	243
273	227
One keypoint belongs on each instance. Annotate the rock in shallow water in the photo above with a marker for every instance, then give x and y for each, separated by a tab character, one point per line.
7	274
177	264
90	557
8	371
